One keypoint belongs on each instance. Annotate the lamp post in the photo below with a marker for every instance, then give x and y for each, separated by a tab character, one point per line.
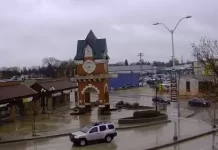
34	123
53	101
176	105
43	101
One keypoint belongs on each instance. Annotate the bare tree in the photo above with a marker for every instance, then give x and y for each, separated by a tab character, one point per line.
206	53
51	61
71	66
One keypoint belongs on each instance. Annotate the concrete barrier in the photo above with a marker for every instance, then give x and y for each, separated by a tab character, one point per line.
131	120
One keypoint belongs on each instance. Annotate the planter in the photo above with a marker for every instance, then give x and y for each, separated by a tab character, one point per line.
113	109
134	106
78	111
131	120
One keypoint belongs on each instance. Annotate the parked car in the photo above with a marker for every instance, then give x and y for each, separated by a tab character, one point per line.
160	99
198	102
127	86
100	131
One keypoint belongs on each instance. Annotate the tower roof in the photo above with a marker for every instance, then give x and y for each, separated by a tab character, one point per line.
91	36
99	47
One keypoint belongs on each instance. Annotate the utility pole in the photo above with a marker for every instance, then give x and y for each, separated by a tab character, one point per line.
182	60
140	61
181	72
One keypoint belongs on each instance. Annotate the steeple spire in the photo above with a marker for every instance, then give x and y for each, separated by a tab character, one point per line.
91	36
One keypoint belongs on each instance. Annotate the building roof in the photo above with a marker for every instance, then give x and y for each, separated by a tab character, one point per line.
57	84
11	92
99	47
134	68
197	77
180	67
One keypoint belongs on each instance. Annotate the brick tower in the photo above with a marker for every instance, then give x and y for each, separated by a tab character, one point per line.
92	72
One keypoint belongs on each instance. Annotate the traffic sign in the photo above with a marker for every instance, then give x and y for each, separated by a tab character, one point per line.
173	86
174	114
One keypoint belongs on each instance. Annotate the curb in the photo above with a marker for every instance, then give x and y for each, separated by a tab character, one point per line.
67	134
35	138
181	140
144	125
191	115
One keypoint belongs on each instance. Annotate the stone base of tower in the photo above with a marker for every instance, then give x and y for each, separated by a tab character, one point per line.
88	107
85	109
104	109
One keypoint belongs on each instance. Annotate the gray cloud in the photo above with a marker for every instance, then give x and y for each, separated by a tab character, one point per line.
34	29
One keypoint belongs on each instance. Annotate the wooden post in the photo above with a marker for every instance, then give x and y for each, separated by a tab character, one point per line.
12	112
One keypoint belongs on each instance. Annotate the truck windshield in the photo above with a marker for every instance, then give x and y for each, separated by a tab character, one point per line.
86	128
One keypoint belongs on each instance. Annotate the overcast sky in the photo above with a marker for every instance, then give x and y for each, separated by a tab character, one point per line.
33	29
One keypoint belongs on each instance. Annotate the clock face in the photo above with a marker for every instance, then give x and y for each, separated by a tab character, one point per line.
89	66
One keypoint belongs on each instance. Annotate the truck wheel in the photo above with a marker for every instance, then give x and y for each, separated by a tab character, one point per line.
82	142
108	138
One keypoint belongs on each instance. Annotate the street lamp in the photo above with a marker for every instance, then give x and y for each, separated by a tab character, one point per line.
172	32
173	67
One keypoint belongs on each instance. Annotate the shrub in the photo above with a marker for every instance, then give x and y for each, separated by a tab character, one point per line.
135	105
95	104
146	114
119	103
127	105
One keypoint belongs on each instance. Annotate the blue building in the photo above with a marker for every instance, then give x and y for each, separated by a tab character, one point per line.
124	79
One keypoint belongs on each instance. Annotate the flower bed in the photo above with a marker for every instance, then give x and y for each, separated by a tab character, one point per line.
134	106
143	117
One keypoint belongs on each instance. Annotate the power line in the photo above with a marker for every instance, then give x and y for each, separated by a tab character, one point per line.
140	61
140	57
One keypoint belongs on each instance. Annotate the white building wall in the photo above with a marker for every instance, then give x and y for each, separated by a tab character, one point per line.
193	86
134	68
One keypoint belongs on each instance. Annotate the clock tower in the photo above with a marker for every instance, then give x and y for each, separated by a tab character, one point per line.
92	72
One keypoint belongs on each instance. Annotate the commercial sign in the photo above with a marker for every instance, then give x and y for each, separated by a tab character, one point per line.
26	100
56	94
4	105
173	86
67	91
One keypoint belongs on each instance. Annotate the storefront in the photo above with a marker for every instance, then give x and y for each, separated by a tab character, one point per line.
13	96
54	93
4	110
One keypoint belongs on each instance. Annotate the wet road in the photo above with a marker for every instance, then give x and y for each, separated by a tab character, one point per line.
138	138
